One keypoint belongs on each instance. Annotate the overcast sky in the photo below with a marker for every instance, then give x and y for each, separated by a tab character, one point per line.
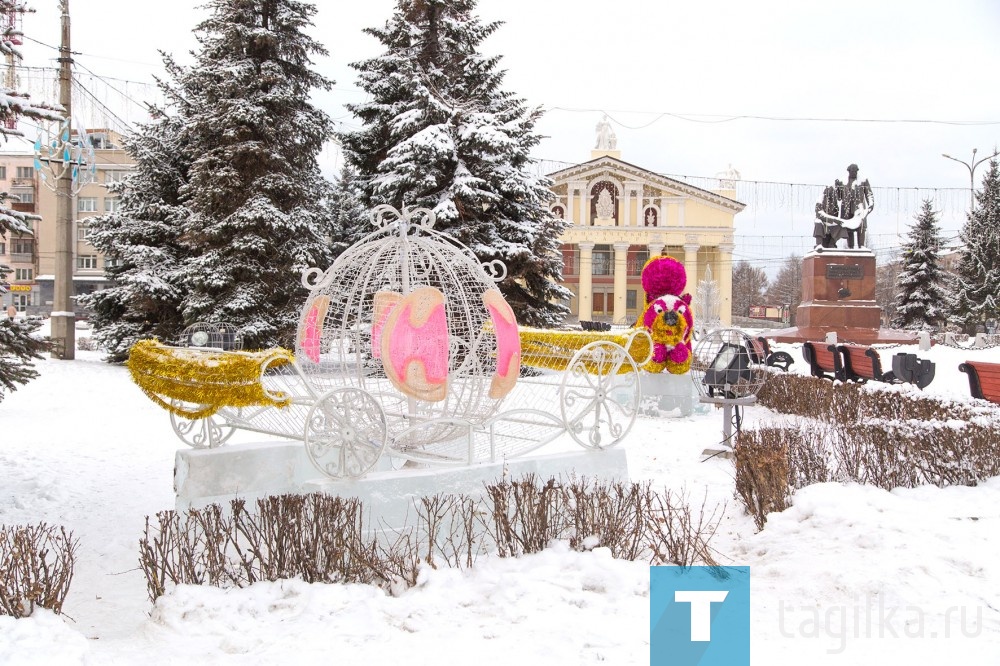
675	78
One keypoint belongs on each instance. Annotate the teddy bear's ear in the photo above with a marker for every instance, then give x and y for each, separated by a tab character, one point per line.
686	298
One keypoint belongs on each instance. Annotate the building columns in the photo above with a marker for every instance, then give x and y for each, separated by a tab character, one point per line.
621	282
585	298
691	247
577	198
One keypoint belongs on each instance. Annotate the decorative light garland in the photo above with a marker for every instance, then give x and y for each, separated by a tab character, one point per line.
208	378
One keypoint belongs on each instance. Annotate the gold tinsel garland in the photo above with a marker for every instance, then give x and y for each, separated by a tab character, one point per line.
209	379
553	350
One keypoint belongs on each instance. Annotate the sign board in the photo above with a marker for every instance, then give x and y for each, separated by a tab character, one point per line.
844	272
766	312
20	287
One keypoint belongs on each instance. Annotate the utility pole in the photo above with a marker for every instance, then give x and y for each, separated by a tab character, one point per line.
63	320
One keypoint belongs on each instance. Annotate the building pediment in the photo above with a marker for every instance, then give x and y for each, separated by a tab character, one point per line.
616	169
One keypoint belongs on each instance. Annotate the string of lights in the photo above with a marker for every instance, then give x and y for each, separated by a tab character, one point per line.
713	118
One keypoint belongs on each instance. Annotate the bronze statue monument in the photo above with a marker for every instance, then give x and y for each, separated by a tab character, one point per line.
843	212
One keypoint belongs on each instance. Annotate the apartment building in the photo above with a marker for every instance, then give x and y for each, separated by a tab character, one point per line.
33	258
19	251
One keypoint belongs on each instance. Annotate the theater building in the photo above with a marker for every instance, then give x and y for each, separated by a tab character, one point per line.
620	215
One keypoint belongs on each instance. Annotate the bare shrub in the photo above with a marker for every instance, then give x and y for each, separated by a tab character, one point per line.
762	472
321	538
316	537
887	454
850	402
884	437
36	568
677	535
525	516
609	515
809	456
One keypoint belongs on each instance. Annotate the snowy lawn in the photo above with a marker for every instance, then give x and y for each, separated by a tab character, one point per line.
847	575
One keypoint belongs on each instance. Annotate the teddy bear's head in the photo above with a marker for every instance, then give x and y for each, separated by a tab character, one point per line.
666	319
663	275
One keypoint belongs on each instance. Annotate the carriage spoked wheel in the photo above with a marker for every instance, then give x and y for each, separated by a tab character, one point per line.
345	433
204	433
600	395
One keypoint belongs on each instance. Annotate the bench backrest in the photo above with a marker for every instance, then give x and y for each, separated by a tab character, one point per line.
823	358
758	350
861	362
984	379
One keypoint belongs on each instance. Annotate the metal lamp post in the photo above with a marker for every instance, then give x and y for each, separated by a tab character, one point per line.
971	166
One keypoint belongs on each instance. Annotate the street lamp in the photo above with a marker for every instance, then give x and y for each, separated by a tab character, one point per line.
971	166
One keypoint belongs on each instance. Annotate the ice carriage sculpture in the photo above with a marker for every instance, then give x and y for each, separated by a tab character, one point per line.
405	348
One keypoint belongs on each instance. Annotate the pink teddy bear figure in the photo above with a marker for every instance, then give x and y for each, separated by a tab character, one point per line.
668	316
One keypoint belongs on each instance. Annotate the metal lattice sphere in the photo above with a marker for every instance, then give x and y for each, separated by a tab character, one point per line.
225	337
411	318
726	366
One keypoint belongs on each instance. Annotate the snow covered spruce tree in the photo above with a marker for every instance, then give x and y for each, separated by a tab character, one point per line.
976	290
143	239
439	132
349	219
18	346
227	205
253	192
921	296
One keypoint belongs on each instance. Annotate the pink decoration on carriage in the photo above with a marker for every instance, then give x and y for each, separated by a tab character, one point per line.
385	301
508	344
312	329
414	345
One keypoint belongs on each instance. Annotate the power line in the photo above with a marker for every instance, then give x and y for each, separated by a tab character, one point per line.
90	55
105	81
124	123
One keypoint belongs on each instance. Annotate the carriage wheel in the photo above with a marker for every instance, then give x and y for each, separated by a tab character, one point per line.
206	433
600	395
345	433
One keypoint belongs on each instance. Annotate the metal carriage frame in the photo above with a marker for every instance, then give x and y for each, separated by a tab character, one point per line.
345	430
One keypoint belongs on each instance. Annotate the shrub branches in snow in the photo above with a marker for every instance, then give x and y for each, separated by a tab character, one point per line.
36	568
322	538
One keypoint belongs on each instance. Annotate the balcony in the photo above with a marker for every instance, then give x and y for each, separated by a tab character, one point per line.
23	207
22	258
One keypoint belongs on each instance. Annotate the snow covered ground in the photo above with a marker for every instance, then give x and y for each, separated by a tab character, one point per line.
847	575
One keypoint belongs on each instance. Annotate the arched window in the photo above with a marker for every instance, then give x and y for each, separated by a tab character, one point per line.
606	205
559	212
651	217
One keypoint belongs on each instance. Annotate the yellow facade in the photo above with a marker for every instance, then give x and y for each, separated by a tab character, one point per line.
620	215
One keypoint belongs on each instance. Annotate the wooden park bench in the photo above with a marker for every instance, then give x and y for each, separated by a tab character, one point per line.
760	352
984	380
824	359
862	364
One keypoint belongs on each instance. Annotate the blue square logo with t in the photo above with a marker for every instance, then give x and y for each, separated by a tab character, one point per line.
699	616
